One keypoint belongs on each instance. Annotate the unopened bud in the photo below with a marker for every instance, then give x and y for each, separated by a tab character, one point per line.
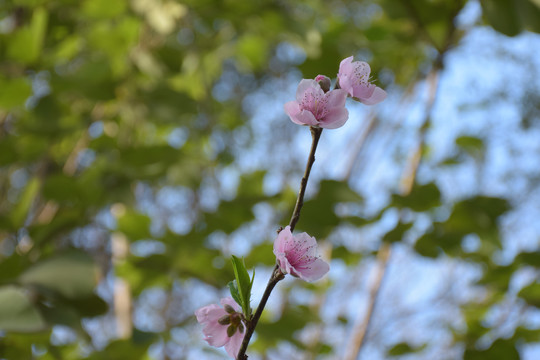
224	320
324	82
231	330
229	309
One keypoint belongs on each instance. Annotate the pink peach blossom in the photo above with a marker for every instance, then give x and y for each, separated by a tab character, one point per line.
297	255
220	322
353	77
314	107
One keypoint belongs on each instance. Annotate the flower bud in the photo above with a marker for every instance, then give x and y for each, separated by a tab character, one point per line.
231	330
229	309
224	320
324	82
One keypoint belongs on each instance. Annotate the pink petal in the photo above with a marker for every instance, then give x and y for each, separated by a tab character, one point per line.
208	313
336	98
216	334
313	271
292	108
297	255
375	98
345	66
305	117
283	239
335	118
305	85
363	91
233	346
346	84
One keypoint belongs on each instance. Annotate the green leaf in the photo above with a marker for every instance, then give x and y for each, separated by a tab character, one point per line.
529	258
243	282
103	8
501	349
262	254
396	234
472	145
421	198
72	274
320	223
14	92
26	43
26	200
531	294
510	17
134	225
292	320
17	312
404	348
502	16
233	288
345	254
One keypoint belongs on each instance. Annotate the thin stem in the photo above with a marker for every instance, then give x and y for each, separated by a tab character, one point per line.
277	275
315	135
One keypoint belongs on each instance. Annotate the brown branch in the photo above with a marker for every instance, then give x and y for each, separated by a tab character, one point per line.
383	257
359	144
361	328
277	275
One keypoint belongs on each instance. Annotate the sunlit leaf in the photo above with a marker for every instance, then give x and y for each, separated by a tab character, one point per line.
72	274
17	312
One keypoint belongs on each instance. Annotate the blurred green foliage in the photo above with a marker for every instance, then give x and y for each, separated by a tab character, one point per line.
94	96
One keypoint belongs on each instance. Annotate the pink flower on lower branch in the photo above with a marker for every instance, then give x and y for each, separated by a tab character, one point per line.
353	77
222	326
297	255
314	107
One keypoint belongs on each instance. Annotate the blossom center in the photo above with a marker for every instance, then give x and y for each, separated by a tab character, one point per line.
316	103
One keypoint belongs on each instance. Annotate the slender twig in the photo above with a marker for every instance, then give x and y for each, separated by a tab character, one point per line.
360	330
315	135
358	144
277	275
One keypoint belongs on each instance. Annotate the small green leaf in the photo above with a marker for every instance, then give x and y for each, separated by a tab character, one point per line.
234	291
470	144
244	284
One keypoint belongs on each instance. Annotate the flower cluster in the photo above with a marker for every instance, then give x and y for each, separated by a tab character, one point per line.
317	105
295	255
